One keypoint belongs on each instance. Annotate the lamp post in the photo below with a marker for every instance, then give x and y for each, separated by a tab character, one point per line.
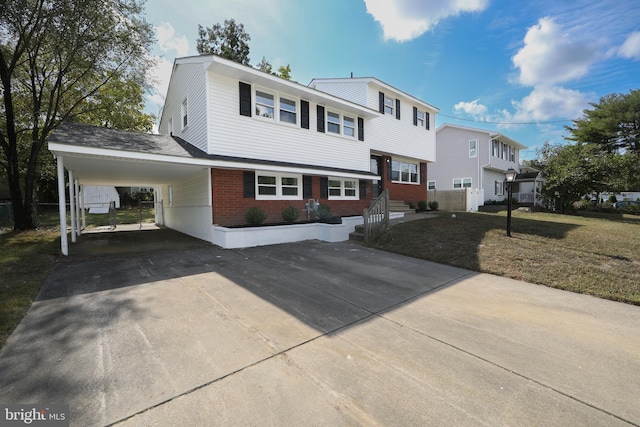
510	175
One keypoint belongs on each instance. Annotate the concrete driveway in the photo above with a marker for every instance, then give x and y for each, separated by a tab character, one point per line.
318	334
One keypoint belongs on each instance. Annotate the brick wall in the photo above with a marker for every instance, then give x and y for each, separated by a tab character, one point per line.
230	205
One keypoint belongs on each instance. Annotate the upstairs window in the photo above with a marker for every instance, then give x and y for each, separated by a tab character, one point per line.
388	105
495	144
473	148
183	110
420	118
512	154
333	122
265	105
287	111
349	126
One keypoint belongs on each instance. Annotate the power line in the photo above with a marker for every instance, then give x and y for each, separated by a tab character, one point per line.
506	123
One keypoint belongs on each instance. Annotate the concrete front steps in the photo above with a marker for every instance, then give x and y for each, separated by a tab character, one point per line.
397	208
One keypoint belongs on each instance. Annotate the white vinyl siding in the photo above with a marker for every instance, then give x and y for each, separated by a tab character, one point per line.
190	209
271	139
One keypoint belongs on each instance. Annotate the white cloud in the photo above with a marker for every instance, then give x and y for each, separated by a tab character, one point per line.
168	41
548	102
551	56
472	108
631	47
404	20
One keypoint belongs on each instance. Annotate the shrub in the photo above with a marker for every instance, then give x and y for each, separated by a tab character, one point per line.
411	205
290	214
422	205
324	212
255	216
612	199
433	205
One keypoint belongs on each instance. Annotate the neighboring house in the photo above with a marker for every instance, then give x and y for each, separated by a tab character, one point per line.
233	137
476	159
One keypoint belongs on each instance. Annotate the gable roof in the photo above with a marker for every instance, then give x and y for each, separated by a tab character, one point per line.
492	134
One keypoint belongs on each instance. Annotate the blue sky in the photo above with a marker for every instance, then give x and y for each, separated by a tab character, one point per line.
517	67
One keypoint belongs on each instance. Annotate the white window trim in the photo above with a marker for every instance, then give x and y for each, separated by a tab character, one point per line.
390	107
462	182
278	195
499	188
429	184
184	113
276	106
354	127
423	119
343	189
475	148
409	162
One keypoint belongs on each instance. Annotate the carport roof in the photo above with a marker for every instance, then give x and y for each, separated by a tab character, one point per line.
98	155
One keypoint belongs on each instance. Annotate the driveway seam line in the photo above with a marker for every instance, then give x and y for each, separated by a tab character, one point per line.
511	371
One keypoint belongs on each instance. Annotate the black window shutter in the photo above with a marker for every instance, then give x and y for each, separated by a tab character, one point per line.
363	189
324	187
398	109
249	180
389	165
304	114
320	120
245	99
307	187
360	129
381	102
426	119
415	116
423	173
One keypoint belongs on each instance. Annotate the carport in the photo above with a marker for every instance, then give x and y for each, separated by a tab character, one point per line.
99	156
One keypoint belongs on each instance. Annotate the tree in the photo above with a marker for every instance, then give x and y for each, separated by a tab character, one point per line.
230	41
55	58
284	72
613	124
264	66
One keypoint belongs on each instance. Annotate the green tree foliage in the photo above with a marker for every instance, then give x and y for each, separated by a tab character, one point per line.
613	123
264	66
229	41
58	60
284	72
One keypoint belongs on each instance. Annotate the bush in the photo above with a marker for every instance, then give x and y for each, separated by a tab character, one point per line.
612	199
422	205
290	214
324	212
411	205
255	216
433	205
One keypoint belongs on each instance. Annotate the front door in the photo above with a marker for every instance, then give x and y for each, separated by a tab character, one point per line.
376	167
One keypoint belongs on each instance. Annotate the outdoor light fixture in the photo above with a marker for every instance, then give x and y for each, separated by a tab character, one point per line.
510	176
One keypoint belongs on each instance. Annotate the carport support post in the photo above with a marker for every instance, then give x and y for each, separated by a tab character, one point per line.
77	190
62	208
72	206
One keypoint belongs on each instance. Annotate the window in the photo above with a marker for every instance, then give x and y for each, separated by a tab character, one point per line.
271	185
340	188
265	104
503	152
287	111
183	110
496	147
333	122
388	105
461	183
473	148
499	188
512	154
404	172
431	185
420	118
349	126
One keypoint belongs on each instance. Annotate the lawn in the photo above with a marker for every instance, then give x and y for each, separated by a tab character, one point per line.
595	255
27	257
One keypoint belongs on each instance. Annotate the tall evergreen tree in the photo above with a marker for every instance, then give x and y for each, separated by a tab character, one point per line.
229	41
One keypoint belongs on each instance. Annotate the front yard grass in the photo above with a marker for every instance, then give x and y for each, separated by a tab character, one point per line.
597	255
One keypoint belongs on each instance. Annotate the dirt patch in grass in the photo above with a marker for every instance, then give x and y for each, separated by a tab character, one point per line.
598	256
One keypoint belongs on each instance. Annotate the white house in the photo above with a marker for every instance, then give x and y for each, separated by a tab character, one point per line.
233	137
478	158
